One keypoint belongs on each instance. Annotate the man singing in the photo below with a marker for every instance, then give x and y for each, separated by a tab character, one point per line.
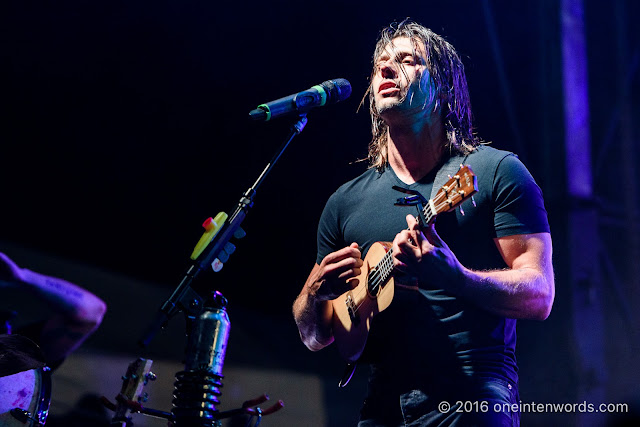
449	334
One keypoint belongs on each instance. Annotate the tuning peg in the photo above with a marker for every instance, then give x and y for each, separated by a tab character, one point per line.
150	376
461	210
473	202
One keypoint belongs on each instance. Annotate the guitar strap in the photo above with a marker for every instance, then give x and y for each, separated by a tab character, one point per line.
448	169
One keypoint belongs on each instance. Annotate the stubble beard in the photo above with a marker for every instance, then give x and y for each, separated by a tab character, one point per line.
390	104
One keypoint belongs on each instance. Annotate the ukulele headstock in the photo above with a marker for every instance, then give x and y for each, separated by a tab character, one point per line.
460	187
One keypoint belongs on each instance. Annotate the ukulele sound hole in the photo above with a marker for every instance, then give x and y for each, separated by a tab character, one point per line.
373	283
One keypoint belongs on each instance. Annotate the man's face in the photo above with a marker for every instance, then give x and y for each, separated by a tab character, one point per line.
401	82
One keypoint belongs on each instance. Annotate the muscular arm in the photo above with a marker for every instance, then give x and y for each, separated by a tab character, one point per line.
313	315
525	290
75	312
312	309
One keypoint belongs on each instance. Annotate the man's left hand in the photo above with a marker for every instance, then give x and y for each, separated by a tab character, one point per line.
421	253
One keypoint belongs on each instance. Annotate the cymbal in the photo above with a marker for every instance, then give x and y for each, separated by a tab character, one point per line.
18	354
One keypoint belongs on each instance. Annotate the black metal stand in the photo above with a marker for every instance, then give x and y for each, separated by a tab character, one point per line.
184	298
197	388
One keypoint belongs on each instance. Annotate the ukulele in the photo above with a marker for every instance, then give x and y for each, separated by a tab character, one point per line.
354	310
131	394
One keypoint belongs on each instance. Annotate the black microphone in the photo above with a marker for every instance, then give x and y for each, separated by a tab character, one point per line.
329	92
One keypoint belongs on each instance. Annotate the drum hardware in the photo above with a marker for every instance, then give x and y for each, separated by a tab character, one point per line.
34	389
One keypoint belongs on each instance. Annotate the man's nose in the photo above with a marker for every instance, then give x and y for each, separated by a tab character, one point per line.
387	69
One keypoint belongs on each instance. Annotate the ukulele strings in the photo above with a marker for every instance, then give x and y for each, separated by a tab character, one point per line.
383	269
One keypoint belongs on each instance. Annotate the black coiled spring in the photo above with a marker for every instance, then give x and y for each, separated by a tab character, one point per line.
195	397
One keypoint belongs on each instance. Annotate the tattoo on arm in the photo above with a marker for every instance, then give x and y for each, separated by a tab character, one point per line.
67	290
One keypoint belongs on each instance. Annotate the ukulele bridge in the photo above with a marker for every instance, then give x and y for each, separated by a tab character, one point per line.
352	309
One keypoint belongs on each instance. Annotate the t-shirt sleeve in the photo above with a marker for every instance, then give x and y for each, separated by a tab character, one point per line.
329	234
519	206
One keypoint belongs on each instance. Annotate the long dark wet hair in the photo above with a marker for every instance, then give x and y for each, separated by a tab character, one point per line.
449	83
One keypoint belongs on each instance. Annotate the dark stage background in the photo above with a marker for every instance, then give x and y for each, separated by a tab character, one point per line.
123	125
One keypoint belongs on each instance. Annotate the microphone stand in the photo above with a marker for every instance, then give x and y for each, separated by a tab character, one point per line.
184	298
207	322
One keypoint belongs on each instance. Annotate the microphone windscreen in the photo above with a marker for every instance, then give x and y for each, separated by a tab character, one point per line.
337	90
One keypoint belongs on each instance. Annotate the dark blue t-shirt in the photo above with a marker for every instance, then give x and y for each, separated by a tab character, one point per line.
431	336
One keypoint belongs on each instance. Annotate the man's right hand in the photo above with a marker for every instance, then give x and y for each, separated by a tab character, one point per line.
336	273
312	309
